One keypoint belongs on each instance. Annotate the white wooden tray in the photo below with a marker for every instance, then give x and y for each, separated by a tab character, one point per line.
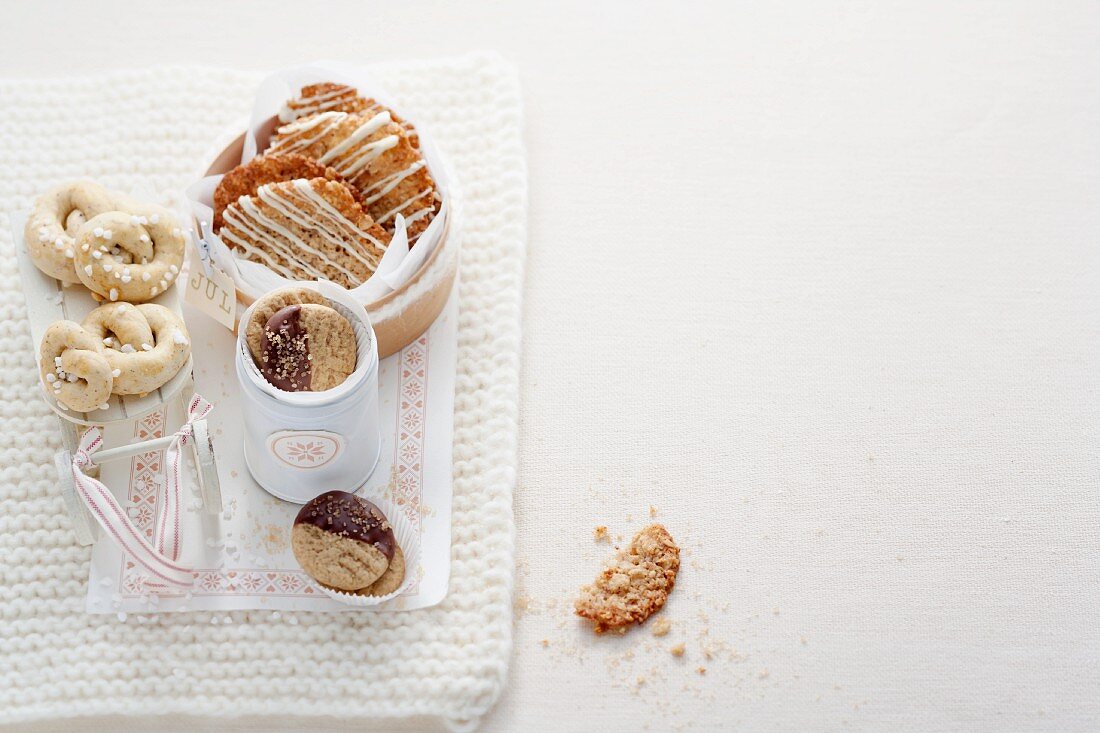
48	301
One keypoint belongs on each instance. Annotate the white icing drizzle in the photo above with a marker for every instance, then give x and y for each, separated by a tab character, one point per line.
397	209
315	103
351	156
356	156
305	207
295	134
390	182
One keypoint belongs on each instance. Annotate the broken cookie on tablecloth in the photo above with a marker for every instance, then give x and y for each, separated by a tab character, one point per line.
635	584
370	146
345	542
300	343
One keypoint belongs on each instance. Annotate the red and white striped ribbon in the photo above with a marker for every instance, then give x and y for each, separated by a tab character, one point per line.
167	532
160	561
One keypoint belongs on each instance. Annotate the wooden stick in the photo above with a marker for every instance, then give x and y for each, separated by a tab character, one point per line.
126	451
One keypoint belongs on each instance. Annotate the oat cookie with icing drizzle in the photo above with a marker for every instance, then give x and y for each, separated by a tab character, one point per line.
332	97
375	155
635	584
246	178
323	97
300	343
306	230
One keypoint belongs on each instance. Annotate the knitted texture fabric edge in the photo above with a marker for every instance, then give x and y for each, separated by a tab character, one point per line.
150	129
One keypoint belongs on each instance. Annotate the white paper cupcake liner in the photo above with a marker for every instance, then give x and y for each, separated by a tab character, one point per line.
405	534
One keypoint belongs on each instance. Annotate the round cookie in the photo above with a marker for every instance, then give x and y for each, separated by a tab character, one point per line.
307	348
323	97
374	154
333	97
391	580
267	305
246	179
342	541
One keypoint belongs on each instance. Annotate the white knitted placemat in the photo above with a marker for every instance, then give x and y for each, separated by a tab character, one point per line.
152	128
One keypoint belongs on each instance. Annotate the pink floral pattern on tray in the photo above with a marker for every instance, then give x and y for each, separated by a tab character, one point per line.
146	476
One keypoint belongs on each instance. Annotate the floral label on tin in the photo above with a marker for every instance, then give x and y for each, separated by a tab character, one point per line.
305	449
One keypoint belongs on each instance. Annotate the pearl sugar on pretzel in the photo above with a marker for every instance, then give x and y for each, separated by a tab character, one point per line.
119	349
56	218
130	256
73	367
145	345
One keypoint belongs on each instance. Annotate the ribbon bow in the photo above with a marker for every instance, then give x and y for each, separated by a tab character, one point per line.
160	557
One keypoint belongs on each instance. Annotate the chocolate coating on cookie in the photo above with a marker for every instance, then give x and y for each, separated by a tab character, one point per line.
351	516
284	351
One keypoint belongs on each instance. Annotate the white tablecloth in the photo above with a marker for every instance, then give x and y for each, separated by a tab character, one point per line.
819	284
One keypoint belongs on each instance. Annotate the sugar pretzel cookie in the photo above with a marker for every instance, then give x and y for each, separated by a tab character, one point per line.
145	345
56	218
130	256
73	368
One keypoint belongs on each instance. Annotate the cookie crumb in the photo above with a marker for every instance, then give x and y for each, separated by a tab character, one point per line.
764	673
661	626
545	643
652	510
701	670
678	650
601	534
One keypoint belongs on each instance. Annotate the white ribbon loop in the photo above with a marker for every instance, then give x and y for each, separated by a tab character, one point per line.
160	561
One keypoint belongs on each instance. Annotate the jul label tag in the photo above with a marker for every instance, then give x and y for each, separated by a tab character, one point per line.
210	290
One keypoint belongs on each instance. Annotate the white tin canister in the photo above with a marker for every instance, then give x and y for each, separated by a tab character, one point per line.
299	444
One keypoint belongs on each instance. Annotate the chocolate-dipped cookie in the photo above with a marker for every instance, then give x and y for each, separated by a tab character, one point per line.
343	541
300	344
391	580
